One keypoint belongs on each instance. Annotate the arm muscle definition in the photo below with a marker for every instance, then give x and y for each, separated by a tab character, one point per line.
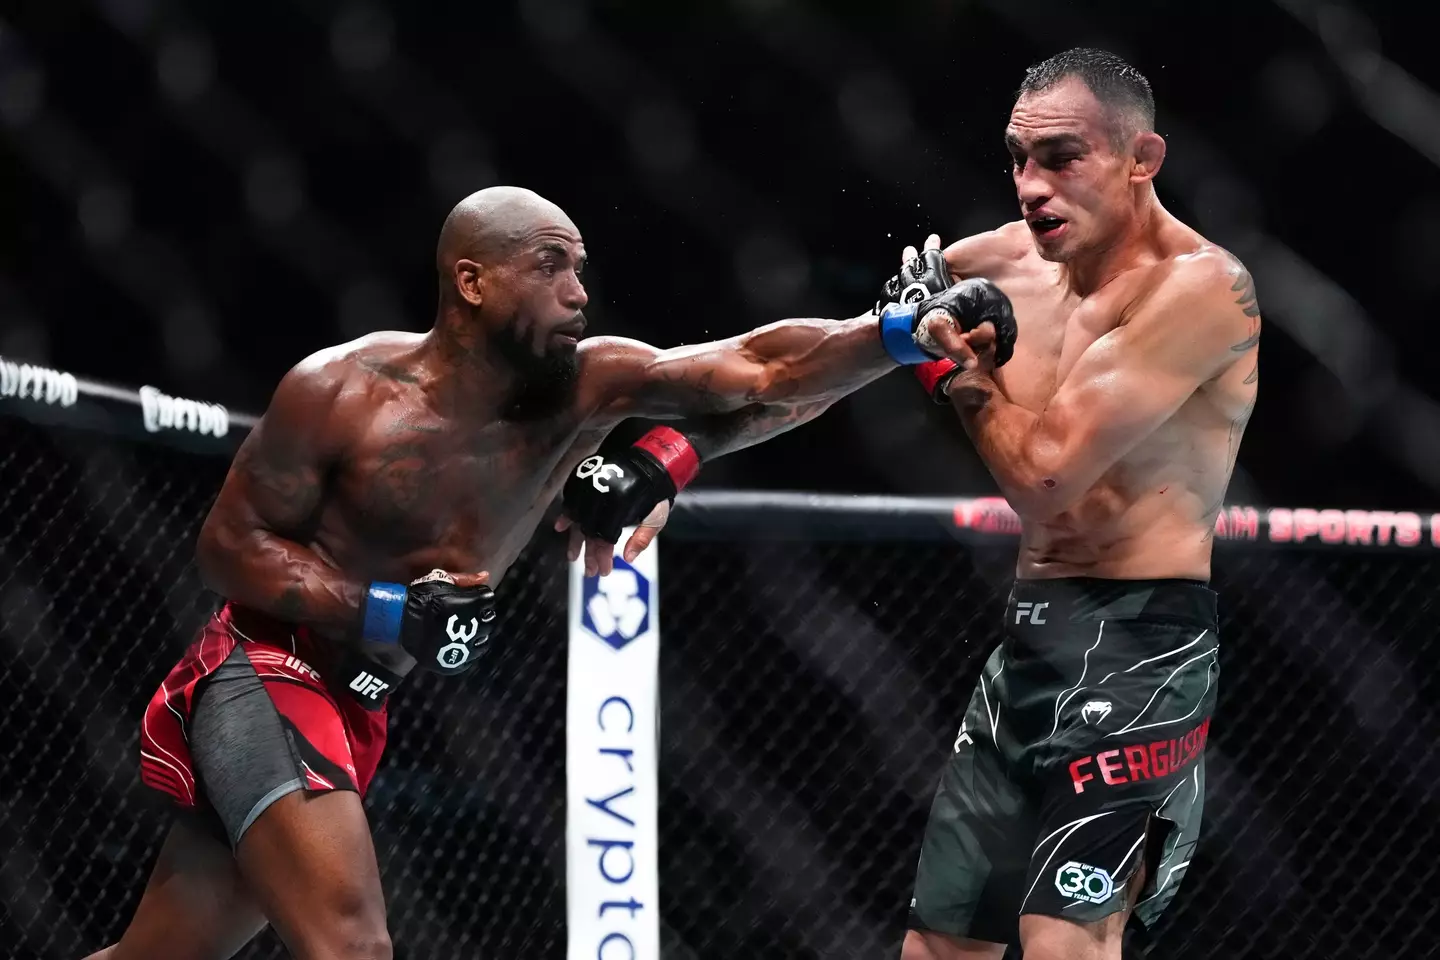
1123	387
272	493
790	362
720	434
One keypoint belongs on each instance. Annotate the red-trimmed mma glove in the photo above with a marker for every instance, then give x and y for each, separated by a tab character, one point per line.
605	495
935	376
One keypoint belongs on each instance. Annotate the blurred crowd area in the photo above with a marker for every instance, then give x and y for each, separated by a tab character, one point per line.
200	193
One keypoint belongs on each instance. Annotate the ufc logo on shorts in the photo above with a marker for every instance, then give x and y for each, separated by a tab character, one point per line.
1031	610
301	667
368	686
599	472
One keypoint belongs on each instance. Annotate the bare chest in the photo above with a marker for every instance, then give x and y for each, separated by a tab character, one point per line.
441	494
1056	328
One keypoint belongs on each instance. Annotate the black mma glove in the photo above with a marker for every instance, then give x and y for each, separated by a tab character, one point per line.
604	496
433	624
923	276
920	277
969	302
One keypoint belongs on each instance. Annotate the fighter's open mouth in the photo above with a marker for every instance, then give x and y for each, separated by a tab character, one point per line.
1046	224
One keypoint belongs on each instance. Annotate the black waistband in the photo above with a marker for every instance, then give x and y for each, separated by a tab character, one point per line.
1079	599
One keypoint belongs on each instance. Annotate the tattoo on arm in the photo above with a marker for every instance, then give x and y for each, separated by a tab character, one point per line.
1244	289
698	390
253	548
290	605
718	435
1232	453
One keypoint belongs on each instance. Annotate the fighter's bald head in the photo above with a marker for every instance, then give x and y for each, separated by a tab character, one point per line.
492	224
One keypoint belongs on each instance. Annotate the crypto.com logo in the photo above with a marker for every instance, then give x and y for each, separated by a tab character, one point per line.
616	608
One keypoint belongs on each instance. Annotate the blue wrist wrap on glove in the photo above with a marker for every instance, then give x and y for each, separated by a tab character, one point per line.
384	612
897	333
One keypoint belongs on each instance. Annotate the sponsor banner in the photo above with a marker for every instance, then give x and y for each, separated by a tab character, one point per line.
25	381
1305	526
612	729
161	411
56	398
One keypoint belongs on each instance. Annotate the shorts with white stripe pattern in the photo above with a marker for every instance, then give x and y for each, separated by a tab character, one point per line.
1080	758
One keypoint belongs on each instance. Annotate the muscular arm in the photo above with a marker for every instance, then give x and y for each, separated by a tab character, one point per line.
271	494
1124	386
719	434
788	363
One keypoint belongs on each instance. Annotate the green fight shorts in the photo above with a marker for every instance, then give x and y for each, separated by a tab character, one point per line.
1080	759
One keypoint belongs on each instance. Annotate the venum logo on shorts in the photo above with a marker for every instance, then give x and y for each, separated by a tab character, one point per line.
1095	711
1080	881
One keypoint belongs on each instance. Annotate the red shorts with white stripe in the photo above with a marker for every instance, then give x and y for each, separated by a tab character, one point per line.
246	717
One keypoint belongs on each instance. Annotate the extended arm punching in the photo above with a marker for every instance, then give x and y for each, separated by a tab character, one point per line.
753	386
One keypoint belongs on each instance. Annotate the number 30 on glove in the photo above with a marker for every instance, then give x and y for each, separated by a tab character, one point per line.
605	495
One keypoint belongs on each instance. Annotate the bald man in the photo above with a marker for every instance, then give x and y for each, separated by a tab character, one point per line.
359	535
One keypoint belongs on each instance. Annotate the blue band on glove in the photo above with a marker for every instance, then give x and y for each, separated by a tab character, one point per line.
384	612
897	324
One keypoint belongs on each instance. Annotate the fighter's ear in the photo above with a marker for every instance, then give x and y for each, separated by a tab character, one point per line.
467	281
1147	155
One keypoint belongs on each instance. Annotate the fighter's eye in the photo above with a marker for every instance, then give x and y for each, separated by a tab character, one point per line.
548	268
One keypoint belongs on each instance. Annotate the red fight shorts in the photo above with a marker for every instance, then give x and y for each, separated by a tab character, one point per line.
245	718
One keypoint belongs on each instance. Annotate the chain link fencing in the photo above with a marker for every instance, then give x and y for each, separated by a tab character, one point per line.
812	681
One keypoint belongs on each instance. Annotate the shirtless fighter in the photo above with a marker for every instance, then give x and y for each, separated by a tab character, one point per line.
359	533
1072	800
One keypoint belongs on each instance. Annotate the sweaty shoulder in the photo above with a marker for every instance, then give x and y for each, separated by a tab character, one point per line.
610	365
331	386
993	254
1205	299
1207	276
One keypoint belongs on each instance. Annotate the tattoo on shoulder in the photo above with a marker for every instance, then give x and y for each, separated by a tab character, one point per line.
1244	290
389	371
280	475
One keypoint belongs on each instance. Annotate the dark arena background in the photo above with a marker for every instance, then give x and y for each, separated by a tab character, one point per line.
196	195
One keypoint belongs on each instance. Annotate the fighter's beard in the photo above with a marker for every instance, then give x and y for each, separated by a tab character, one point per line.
545	384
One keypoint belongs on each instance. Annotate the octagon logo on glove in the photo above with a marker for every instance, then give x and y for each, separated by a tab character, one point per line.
617	607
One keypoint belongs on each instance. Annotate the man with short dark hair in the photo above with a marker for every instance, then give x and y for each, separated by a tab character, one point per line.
1073	796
